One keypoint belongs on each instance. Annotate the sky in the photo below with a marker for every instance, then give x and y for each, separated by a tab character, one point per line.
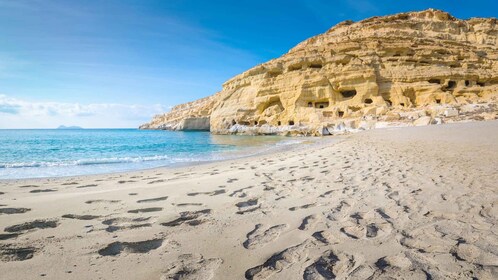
116	63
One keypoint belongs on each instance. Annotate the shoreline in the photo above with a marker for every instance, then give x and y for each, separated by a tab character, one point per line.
408	202
257	151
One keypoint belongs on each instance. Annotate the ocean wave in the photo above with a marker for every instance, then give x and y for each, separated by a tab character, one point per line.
95	161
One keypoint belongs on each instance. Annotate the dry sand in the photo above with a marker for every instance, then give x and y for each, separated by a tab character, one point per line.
408	203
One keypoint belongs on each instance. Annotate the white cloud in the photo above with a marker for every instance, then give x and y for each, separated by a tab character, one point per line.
18	113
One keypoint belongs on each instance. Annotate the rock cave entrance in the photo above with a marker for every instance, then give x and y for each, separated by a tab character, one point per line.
316	66
348	93
291	122
368	101
451	85
321	105
340	114
467	83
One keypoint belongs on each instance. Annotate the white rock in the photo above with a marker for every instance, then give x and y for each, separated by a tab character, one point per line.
452	112
422	121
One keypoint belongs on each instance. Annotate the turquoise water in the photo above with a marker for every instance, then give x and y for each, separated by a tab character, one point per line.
51	152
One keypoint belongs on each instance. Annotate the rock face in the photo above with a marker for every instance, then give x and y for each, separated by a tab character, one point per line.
367	74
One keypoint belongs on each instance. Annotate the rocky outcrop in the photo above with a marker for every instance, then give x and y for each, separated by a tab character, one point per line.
189	116
382	70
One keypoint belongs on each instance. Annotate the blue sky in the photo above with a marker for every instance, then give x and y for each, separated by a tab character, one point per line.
116	63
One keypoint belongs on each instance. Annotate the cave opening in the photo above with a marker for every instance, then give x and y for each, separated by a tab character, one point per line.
348	93
341	114
451	84
291	122
321	105
315	66
467	83
368	101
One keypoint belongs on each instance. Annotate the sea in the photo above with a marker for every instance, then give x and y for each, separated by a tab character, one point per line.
35	153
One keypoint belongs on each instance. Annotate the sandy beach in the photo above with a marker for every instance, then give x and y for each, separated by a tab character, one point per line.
398	203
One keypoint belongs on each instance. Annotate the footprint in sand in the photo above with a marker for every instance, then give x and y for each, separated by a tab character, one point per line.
87	186
331	265
192	267
126	181
80	217
213	193
325	237
10	252
93	201
140	247
36	224
145	210
188	204
305	206
29	186
308	222
70	183
279	262
122	223
156	181
339	212
6	236
190	218
260	237
162	198
10	210
43	191
248	206
240	192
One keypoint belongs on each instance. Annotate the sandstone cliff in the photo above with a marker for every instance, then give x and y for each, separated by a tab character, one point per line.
417	68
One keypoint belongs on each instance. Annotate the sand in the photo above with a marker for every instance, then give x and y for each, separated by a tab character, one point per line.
404	203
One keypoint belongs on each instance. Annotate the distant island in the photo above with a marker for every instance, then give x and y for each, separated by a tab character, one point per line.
69	127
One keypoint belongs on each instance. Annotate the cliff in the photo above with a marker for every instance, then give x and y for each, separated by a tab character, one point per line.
412	68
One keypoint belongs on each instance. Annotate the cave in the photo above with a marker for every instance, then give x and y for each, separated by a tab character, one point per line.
291	122
438	100
316	66
389	102
348	93
234	122
341	114
310	104
467	83
295	67
402	104
368	101
481	84
435	81
279	123
255	122
451	84
321	105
